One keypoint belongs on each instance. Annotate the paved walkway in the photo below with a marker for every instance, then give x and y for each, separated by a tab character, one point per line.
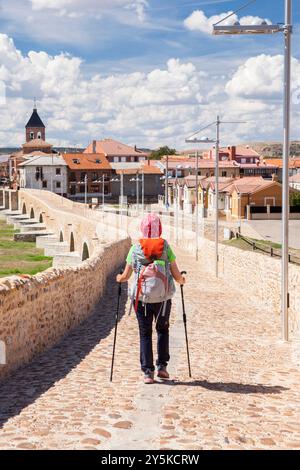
271	230
245	391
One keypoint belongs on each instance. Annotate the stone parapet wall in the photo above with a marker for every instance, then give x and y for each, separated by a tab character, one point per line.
258	277
36	312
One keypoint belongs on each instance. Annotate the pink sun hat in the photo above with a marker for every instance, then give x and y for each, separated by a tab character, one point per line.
151	226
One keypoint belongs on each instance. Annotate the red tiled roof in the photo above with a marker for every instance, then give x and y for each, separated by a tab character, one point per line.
293	162
112	147
86	161
202	164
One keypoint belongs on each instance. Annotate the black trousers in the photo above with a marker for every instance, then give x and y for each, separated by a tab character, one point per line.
145	315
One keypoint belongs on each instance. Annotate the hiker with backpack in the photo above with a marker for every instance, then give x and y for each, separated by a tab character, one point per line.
154	265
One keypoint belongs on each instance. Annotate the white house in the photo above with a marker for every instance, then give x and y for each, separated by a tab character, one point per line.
47	172
295	181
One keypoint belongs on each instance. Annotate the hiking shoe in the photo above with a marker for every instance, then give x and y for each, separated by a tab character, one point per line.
162	373
149	378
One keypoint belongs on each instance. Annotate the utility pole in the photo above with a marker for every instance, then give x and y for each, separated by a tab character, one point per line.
167	184
103	188
85	188
197	207
217	196
143	193
216	141
286	157
287	30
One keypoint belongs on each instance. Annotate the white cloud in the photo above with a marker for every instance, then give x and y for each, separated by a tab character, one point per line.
162	106
75	8
261	77
198	21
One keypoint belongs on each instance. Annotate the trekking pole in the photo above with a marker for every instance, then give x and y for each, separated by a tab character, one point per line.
116	330
185	328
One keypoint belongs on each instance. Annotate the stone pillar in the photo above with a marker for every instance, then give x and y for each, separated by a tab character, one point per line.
249	217
14	200
6	199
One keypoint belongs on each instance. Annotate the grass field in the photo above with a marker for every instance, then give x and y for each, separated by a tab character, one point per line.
264	244
19	257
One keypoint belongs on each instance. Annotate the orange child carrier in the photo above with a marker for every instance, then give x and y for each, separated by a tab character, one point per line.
153	281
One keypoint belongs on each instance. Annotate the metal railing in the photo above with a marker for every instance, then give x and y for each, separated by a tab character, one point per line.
271	251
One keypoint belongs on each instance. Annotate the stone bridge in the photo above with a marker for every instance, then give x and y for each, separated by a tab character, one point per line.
57	330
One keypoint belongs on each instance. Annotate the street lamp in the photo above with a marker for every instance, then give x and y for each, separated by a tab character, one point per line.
287	30
85	182
137	180
216	141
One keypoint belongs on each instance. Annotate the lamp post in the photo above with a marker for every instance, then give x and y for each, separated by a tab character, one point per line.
143	193
287	30
216	141
167	186
103	189
85	182
137	180
85	188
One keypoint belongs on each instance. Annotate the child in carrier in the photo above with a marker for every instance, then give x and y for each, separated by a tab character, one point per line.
153	263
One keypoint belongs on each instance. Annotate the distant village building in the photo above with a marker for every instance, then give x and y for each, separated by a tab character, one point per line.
295	181
35	145
116	152
95	167
44	172
4	166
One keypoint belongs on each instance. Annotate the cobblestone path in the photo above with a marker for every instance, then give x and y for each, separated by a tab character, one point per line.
245	391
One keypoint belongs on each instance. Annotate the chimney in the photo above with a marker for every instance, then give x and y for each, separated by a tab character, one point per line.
232	152
94	146
135	148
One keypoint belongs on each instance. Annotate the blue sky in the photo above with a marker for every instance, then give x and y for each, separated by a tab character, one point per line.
140	45
119	38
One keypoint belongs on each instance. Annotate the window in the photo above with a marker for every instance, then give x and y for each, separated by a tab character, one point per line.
82	176
58	184
39	135
95	176
31	135
243	160
82	188
72	176
58	171
270	201
45	184
123	159
224	174
116	159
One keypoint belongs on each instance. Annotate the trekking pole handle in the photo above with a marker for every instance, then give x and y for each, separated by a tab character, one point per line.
120	284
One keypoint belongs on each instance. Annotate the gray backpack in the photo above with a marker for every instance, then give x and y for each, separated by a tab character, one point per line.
153	281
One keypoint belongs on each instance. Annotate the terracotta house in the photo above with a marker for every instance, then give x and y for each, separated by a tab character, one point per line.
95	167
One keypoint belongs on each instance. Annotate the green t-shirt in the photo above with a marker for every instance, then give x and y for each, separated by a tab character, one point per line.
171	255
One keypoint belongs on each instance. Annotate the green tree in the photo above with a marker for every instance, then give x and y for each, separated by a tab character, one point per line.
295	198
157	154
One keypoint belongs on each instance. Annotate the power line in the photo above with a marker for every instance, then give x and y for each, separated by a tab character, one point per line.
234	12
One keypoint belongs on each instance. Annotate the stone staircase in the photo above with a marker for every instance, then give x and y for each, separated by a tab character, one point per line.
31	230
67	259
